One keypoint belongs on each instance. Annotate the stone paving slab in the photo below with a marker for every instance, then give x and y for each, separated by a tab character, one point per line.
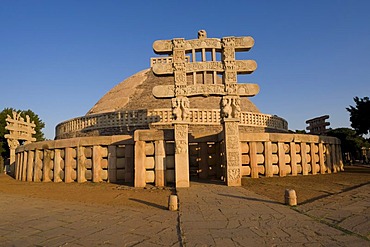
214	215
209	215
38	222
348	210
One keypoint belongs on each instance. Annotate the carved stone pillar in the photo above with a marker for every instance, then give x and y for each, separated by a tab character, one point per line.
232	154
13	144
230	112
181	156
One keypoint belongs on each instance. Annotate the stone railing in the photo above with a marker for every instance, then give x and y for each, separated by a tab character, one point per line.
94	159
143	118
263	120
271	154
112	158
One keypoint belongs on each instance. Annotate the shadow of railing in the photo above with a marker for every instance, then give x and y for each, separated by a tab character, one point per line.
251	199
151	204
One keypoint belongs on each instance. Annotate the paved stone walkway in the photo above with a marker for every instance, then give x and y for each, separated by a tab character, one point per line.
209	215
213	215
349	211
38	222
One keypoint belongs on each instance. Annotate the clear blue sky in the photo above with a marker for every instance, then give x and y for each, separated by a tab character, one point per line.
59	58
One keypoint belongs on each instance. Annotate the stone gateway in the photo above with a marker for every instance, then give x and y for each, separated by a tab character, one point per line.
185	118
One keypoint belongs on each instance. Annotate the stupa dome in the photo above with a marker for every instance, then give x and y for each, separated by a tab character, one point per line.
135	93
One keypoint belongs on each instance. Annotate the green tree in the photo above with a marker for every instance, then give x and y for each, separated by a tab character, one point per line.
360	115
351	142
300	132
4	149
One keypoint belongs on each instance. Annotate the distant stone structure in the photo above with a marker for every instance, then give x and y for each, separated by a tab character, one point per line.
185	118
317	126
19	130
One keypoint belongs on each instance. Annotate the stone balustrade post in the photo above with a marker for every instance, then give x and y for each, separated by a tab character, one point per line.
68	159
57	168
38	164
129	157
24	166
81	168
304	158
281	162
313	159
46	166
112	164
31	157
160	163
293	158
323	168
268	159
97	157
140	164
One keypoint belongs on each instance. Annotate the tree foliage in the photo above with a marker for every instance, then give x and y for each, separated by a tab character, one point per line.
4	149
360	115
351	142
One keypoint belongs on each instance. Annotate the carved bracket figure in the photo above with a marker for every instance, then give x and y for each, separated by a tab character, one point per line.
180	108
230	107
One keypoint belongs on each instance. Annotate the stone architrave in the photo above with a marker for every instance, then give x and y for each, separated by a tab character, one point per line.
317	126
168	91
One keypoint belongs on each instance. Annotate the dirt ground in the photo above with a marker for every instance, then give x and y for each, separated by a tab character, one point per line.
312	187
89	193
308	188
